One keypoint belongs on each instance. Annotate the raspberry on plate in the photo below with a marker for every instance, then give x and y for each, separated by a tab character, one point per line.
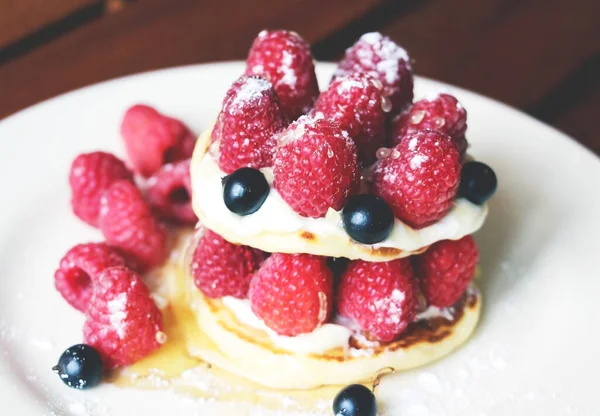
384	60
356	103
122	322
419	179
90	175
250	116
79	268
169	193
442	113
315	166
221	268
284	58
379	297
153	139
446	269
127	222
292	293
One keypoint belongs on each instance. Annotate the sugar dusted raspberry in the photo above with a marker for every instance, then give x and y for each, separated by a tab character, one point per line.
122	322
356	103
153	139
284	58
221	268
384	60
128	223
80	267
90	175
446	269
442	112
379	297
315	166
292	293
419	178
170	193
250	116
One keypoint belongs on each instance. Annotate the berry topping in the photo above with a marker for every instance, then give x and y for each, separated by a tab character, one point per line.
446	269
419	178
477	182
169	193
122	323
284	58
378	296
442	113
152	139
292	293
127	222
221	268
355	400
80	367
368	219
384	60
315	166
250	116
80	267
245	190
91	174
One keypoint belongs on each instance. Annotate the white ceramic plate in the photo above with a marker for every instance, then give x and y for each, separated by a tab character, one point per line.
534	353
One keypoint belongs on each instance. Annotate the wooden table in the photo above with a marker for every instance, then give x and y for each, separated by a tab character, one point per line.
542	56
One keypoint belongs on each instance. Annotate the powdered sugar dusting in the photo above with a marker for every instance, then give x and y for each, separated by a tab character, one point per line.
389	55
116	309
417	160
289	76
392	305
251	90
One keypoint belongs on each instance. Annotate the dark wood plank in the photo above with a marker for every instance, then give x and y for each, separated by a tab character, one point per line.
152	34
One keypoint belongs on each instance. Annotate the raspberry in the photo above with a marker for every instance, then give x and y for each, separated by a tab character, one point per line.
357	105
315	166
153	139
419	179
80	267
122	322
292	293
379	297
251	115
221	268
442	113
91	174
128	223
446	269
169	193
384	60
284	58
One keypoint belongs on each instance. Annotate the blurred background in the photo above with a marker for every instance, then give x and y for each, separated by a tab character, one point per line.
541	56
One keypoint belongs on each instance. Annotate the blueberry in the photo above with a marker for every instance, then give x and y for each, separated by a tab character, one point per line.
355	400
477	182
367	218
80	367
245	190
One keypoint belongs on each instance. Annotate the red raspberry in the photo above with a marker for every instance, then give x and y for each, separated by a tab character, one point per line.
357	105
251	115
384	60
122	323
153	139
315	166
284	58
128	223
419	178
91	174
80	267
442	113
379	297
169	193
446	269
221	268
292	293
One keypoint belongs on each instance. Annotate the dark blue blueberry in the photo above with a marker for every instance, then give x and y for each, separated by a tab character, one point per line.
367	218
355	400
245	190
80	367
477	182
